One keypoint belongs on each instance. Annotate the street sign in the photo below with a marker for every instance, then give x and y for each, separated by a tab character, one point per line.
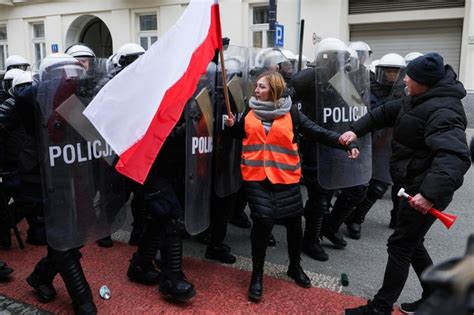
279	35
54	48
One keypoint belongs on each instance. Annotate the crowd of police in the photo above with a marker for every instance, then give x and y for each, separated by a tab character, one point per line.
58	174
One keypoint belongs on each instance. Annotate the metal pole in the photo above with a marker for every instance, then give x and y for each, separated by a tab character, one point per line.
272	14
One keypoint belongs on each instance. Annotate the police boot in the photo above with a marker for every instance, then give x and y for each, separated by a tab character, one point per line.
140	215
69	267
311	244
173	284
221	253
358	216
256	281
5	271
141	268
41	279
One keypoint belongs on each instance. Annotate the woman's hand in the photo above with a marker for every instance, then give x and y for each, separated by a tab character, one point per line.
229	120
347	137
353	153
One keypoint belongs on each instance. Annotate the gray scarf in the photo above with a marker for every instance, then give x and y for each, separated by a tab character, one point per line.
269	110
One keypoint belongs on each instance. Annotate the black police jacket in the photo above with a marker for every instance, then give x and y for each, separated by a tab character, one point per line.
429	149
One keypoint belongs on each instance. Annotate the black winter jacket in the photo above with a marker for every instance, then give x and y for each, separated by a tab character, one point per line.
277	201
430	153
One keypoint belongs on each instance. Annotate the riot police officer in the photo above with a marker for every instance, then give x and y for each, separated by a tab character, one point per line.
387	86
57	71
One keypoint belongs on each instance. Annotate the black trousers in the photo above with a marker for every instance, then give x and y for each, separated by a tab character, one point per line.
260	234
405	247
221	210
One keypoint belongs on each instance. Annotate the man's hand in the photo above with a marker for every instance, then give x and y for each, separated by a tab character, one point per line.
353	153
420	203
229	121
347	137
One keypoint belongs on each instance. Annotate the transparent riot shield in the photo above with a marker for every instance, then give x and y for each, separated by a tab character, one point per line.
227	149
340	100
199	148
84	196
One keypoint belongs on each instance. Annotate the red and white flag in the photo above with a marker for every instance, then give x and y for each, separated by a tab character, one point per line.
138	108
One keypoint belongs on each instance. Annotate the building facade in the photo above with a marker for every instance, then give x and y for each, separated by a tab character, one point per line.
35	28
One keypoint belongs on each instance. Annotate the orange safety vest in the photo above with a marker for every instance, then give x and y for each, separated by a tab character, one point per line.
273	155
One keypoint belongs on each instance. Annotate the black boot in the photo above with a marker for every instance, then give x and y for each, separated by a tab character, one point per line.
312	233
69	267
41	279
354	224
36	233
140	216
297	273
256	282
221	253
105	242
5	271
334	237
141	268
173	284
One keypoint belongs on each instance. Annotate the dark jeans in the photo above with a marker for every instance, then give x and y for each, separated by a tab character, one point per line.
221	210
261	230
405	247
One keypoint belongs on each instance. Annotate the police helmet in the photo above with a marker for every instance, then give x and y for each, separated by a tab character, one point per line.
390	70
333	56
363	51
16	61
59	65
79	50
24	78
269	58
128	53
10	75
373	64
354	59
413	55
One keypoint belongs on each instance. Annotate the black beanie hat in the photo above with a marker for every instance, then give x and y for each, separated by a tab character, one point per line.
427	69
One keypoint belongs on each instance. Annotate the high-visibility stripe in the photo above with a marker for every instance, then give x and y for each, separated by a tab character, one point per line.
266	163
269	147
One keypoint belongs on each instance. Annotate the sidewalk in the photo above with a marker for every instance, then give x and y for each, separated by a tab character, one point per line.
220	289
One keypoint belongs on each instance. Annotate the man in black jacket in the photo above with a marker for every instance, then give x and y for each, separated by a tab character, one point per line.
429	159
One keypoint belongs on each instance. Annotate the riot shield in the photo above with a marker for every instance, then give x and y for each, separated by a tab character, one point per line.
199	148
84	196
227	149
340	100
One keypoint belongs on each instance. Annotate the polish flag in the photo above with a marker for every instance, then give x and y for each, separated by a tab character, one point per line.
138	108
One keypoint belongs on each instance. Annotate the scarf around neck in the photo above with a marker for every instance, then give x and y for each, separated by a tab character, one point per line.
269	110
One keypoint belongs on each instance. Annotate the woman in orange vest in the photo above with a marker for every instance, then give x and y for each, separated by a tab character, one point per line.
271	171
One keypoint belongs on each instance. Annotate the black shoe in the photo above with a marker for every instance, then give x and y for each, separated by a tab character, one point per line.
368	309
88	308
176	288
256	287
105	242
5	271
296	273
337	239
411	308
240	220
314	250
354	230
220	253
45	291
271	241
137	274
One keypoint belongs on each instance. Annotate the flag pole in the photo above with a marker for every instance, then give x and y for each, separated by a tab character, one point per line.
224	83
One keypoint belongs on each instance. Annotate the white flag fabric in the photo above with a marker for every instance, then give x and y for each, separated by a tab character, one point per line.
138	108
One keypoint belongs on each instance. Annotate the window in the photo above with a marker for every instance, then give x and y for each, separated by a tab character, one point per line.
3	46
259	27
39	44
148	29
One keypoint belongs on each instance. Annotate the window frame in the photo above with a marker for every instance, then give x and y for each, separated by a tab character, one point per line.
260	27
4	48
148	34
38	41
